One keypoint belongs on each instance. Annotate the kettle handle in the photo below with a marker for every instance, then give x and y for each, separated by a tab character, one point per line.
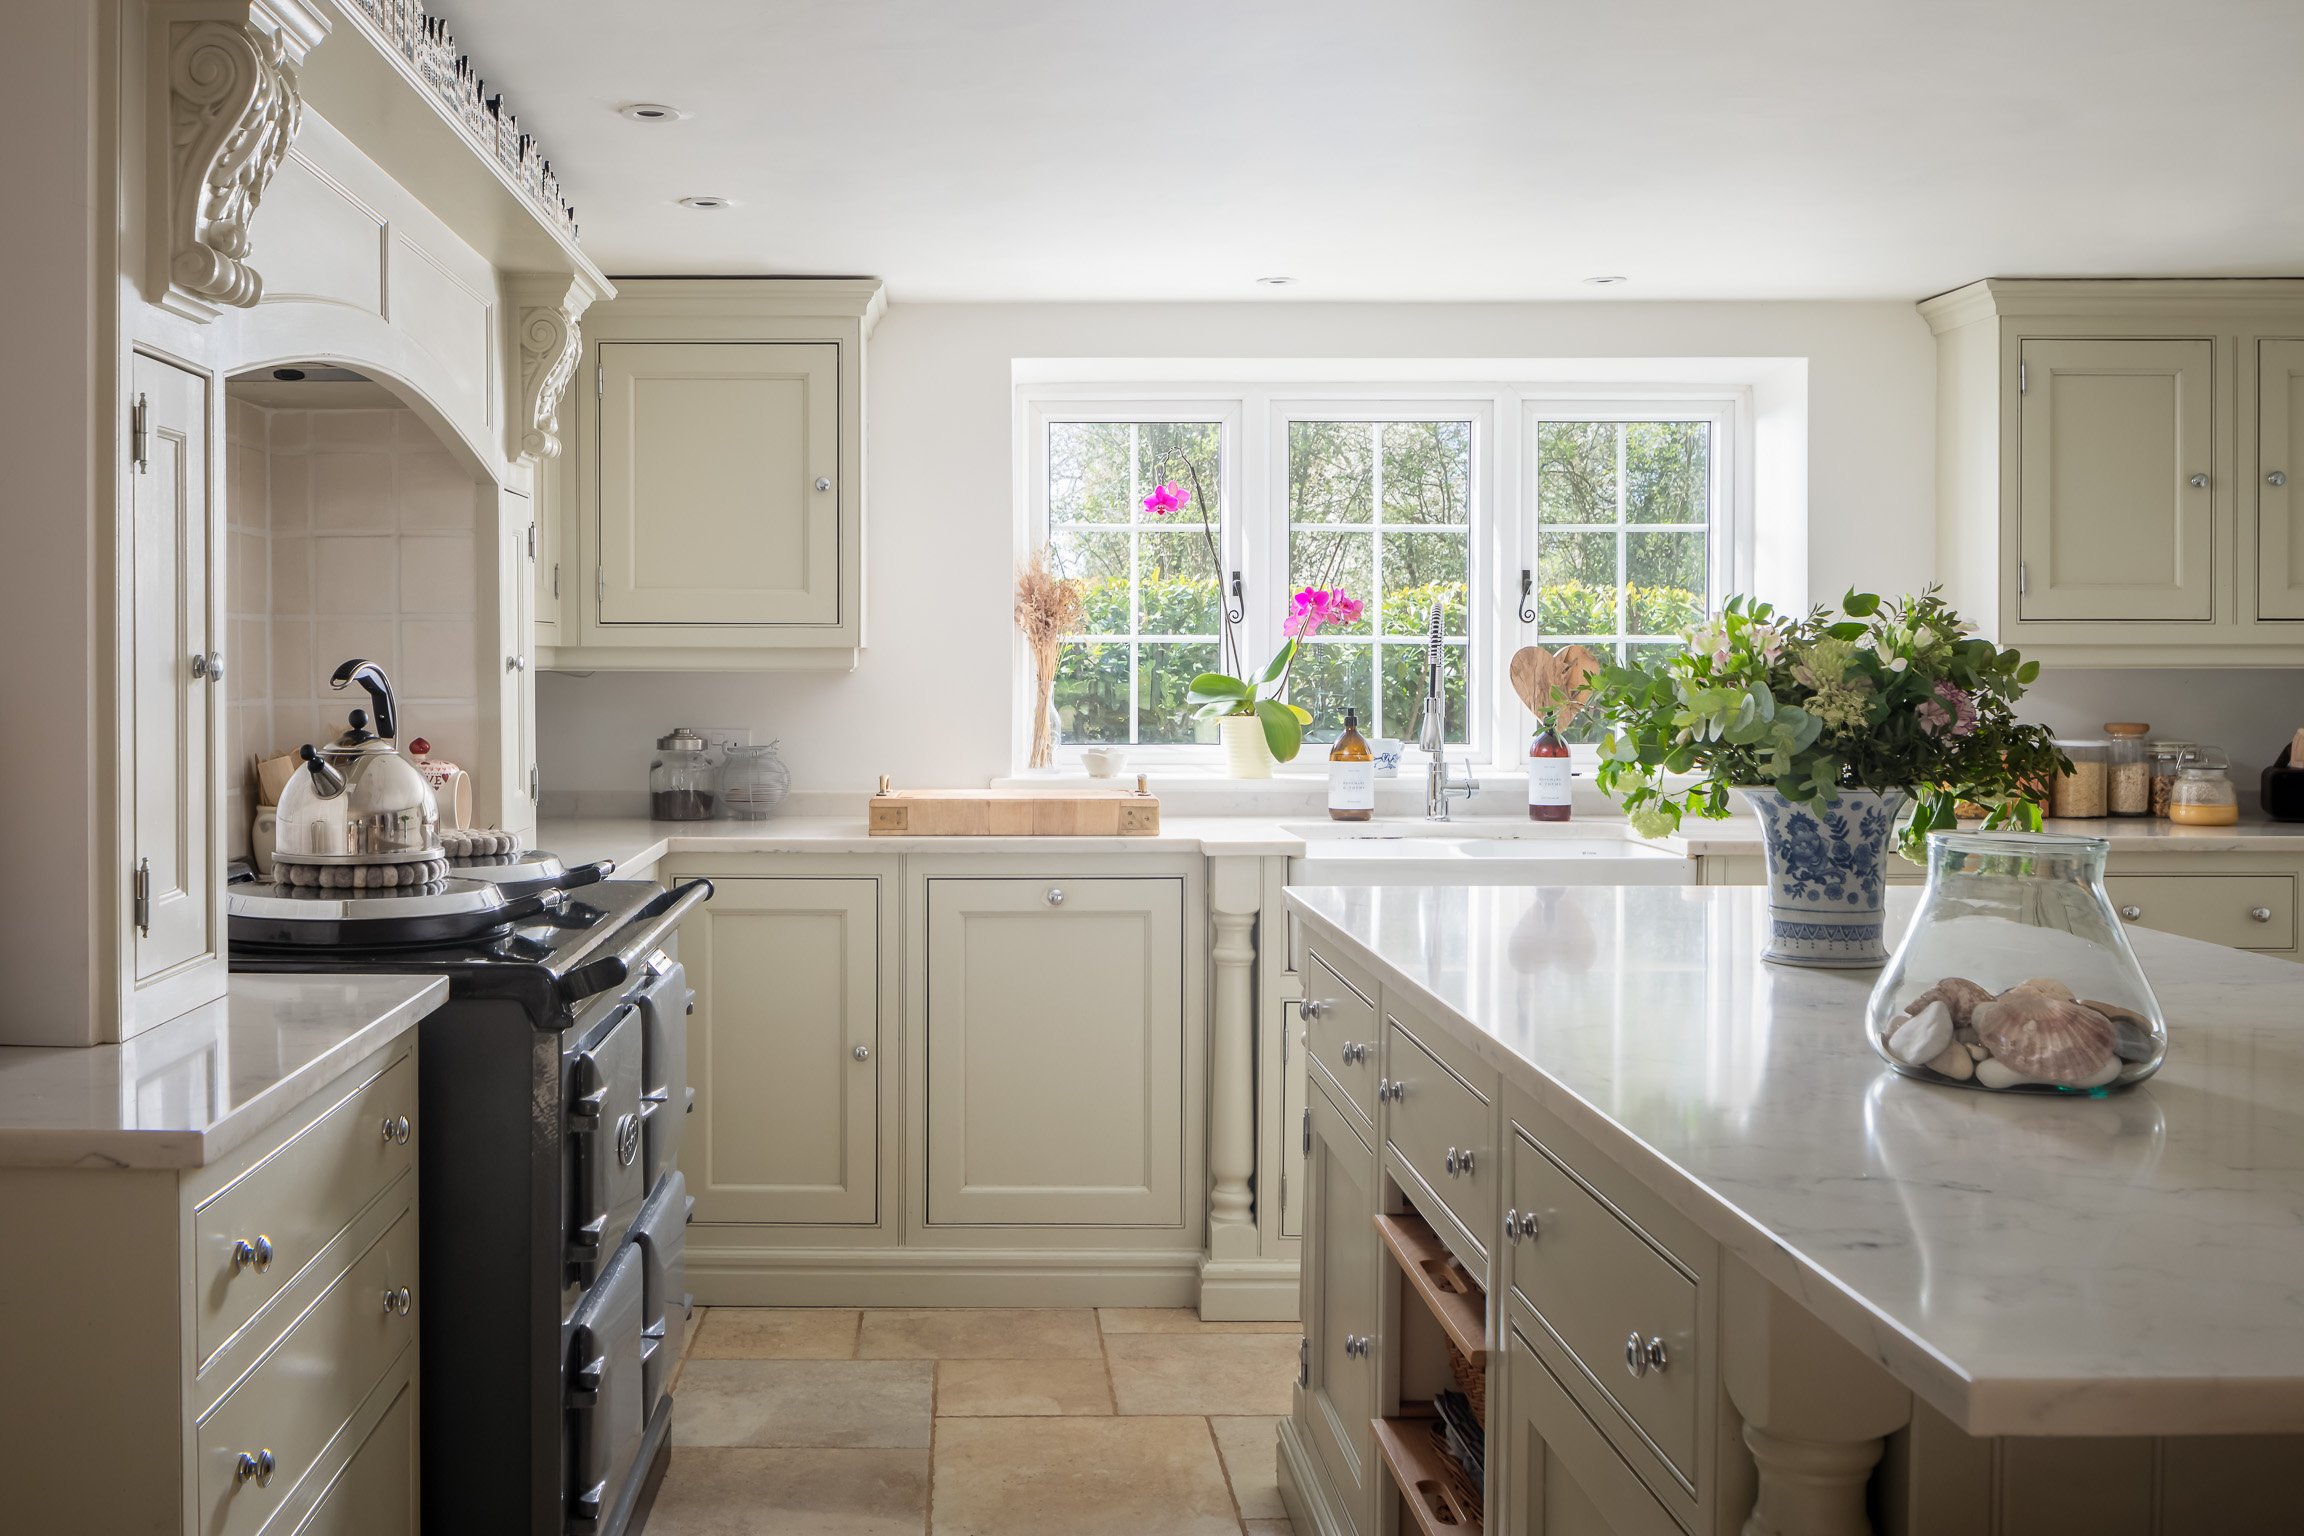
371	677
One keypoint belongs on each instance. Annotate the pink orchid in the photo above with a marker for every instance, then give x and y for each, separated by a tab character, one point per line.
1166	499
1316	607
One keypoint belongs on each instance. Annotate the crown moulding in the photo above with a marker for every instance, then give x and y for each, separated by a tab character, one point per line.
550	333
233	108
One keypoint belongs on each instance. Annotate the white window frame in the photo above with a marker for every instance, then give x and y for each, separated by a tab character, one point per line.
1253	474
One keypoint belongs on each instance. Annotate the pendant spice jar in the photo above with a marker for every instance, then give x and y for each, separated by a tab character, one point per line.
2016	975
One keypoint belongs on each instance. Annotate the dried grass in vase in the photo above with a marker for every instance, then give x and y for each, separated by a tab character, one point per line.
1048	607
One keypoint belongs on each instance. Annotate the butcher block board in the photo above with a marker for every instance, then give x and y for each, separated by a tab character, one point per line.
1014	813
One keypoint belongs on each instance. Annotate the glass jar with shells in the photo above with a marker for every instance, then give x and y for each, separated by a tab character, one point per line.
2015	975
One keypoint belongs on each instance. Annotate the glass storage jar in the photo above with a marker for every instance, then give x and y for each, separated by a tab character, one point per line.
680	778
2167	757
2079	795
2127	771
2015	975
753	782
2203	796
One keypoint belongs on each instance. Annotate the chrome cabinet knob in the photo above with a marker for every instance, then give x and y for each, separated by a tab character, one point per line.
397	1301
1390	1088
1310	1007
515	663
1641	1358
823	482
256	1467
1055	896
2199	482
1519	1225
1357	1345
1352	1052
1450	1163
256	1255
2132	912
862	1053
2277	477
210	666
396	1130
2261	914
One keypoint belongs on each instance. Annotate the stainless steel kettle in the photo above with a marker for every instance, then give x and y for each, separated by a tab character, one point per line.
357	800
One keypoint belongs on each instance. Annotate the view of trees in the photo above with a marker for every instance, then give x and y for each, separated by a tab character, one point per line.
1381	509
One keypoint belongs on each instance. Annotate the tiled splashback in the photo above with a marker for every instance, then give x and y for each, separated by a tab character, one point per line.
353	533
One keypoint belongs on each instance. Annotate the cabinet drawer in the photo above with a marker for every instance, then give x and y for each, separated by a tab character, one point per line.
1595	1281
375	1492
1340	1029
292	1405
1564	1476
1442	1128
293	1199
2219	908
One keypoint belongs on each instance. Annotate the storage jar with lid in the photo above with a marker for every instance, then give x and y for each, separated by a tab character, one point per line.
2079	795
2203	795
2166	758
680	782
753	782
2127	770
2015	975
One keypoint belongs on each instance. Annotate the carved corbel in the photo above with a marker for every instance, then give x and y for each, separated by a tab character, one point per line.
233	109
551	340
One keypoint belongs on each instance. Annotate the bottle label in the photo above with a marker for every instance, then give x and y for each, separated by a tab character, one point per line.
1548	781
1351	786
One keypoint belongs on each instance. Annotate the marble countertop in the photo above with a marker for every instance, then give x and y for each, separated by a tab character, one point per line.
2126	1265
185	1093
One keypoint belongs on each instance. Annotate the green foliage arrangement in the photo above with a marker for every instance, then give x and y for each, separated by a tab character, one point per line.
1885	696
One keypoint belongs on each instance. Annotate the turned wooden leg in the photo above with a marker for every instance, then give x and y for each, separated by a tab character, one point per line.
1232	1080
1809	1487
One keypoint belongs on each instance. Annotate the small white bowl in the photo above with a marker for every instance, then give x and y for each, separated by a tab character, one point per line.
1104	762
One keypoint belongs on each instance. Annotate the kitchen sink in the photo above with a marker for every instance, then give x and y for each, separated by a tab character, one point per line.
1478	853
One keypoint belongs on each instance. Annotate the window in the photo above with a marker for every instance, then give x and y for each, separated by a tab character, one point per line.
1617	511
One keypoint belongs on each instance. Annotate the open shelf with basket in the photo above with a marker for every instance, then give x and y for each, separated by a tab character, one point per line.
1435	1447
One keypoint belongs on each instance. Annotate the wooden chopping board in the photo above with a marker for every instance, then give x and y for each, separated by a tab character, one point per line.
1067	812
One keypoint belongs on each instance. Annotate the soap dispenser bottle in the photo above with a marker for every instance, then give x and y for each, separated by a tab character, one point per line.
1548	797
1351	774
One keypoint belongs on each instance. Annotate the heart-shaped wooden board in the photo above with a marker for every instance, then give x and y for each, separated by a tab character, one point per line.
1538	674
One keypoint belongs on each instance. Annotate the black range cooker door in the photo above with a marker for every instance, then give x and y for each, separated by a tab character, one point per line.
605	1135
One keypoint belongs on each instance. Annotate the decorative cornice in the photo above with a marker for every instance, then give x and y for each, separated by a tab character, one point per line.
551	339
233	109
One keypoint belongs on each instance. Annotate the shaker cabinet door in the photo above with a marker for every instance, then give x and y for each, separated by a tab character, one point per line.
785	1052
173	701
1056	1051
1561	1476
2279	479
2119	480
1337	1407
718	480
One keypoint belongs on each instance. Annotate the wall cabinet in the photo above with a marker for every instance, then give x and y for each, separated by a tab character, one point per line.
2111	479
713	499
1056	1052
788	1053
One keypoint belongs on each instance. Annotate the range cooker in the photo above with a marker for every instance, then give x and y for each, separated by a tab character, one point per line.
554	1090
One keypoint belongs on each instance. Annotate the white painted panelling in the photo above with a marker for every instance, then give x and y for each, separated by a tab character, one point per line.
322	244
445	316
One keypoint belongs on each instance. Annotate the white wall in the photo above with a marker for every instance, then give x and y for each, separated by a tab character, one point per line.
930	700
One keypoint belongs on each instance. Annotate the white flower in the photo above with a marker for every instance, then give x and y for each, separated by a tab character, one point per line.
1898	664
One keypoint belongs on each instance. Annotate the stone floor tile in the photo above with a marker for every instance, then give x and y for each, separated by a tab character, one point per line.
795	1404
1250	1527
1179	1373
1021	1388
777	1333
1179	1320
1252	1462
970	1334
729	1491
1079	1477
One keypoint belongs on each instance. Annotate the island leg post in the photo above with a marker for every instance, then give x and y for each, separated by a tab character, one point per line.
1234	896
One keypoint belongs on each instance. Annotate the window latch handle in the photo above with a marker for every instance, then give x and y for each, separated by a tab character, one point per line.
1527	586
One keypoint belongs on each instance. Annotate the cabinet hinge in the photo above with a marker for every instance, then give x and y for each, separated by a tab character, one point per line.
140	435
2020	378
535	784
599	588
2023	579
599	381
143	902
531	541
555	578
1307	1132
1303	1361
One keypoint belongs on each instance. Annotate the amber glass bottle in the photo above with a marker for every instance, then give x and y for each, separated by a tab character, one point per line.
1547	773
1351	774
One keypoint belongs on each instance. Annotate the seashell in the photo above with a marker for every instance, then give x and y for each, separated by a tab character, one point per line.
1954	1062
2044	984
1921	1035
1957	993
2045	1038
2132	1032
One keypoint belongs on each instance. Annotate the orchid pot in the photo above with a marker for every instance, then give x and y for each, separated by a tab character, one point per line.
1247	755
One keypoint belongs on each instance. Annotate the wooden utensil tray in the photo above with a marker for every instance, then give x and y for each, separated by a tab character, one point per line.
1432	1494
1446	1288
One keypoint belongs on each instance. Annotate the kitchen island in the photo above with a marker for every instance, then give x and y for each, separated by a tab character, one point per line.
1852	1265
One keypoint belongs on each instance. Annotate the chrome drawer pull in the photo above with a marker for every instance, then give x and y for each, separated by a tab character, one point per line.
255	1255
396	1129
397	1302
2261	914
1055	896
1357	1345
257	1468
1458	1164
1310	1007
2132	912
1641	1358
1518	1225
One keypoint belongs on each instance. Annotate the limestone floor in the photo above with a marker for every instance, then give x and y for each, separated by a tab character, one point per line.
1119	1422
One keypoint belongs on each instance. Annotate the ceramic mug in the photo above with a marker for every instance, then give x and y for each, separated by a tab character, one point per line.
1386	751
1104	762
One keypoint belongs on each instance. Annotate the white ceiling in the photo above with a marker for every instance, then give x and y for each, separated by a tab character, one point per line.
1418	149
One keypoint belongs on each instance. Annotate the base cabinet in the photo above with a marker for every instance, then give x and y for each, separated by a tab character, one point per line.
1561	1476
1337	1401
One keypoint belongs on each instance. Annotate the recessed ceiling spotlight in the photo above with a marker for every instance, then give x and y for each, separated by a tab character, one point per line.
1606	282
652	112
707	202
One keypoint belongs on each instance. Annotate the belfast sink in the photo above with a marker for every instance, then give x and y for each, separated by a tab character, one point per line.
1477	853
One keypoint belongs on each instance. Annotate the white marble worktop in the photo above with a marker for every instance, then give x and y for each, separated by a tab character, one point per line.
185	1093
2029	1265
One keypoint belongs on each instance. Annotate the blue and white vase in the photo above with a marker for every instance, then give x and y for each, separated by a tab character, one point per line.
1827	876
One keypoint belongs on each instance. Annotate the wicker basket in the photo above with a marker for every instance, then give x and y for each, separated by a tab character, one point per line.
1471	1380
1464	1500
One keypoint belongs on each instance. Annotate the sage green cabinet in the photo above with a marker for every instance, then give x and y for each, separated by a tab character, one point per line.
1337	1403
2278	491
